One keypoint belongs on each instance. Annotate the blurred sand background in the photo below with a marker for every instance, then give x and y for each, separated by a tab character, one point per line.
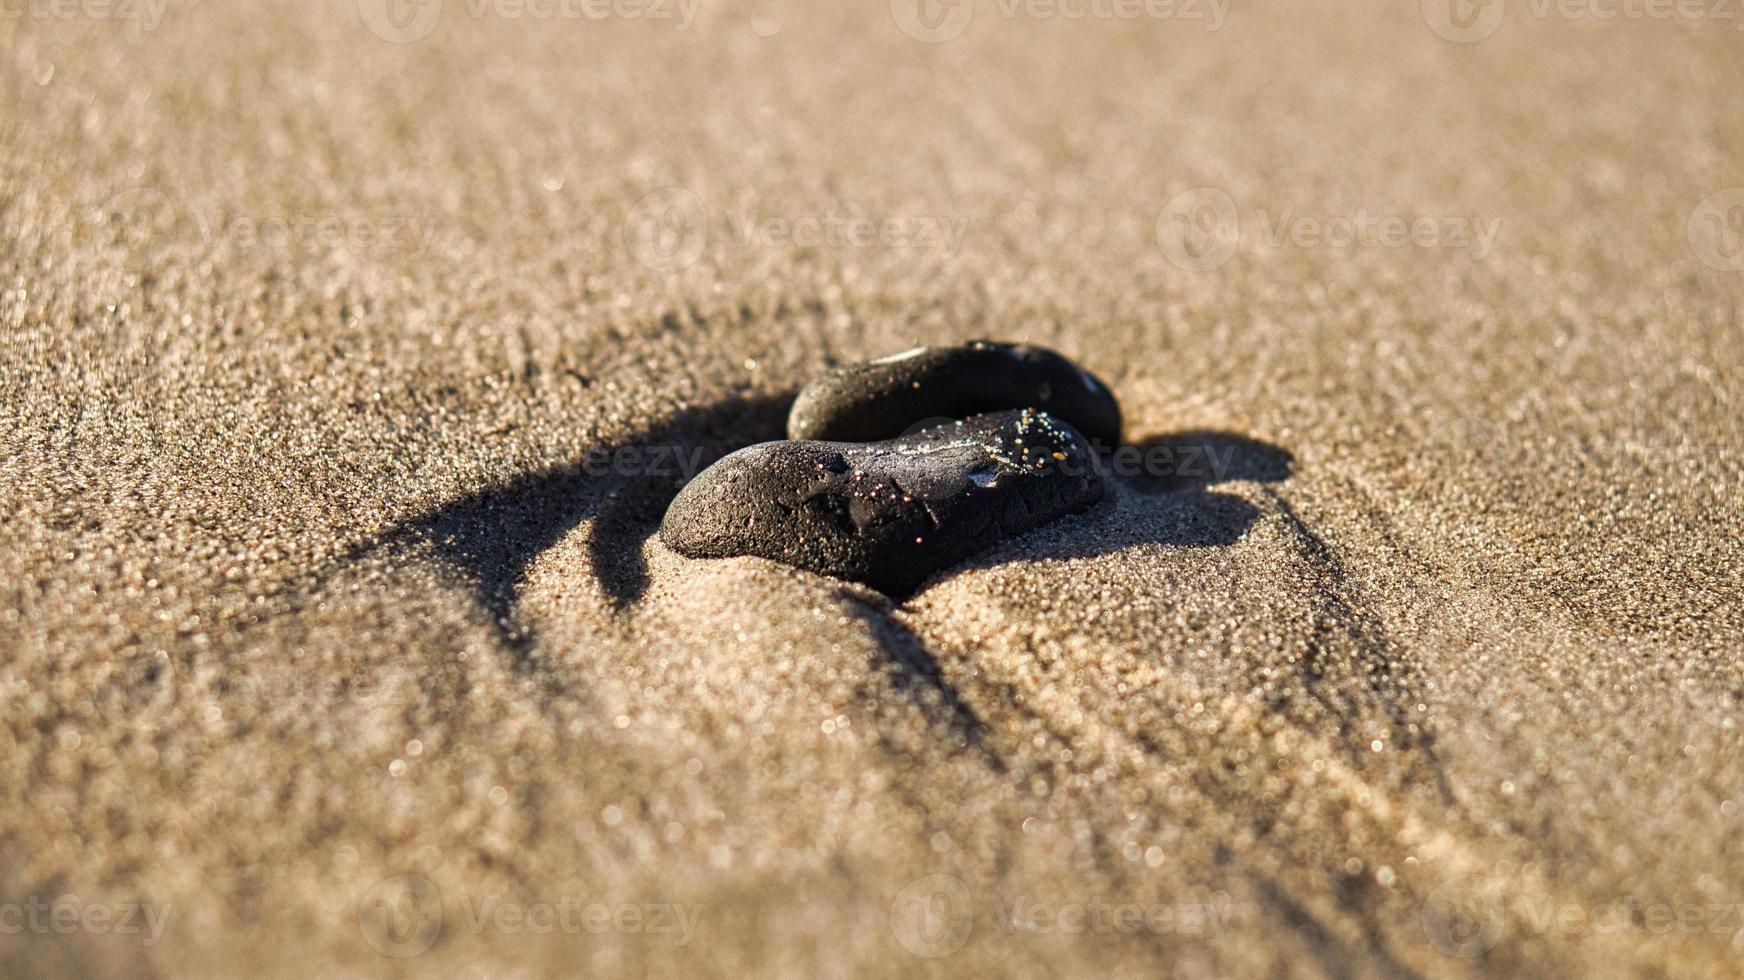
319	636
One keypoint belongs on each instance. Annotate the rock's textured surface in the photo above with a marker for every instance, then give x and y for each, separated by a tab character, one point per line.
889	514
882	399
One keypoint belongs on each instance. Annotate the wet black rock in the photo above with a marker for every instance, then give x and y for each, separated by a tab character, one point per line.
884	398
889	514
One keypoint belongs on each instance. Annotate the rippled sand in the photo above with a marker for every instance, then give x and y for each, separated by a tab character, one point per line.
343	382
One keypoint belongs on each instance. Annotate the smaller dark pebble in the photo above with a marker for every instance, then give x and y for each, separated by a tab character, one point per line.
884	398
889	514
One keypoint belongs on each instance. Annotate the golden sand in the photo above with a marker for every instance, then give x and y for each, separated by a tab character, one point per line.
333	636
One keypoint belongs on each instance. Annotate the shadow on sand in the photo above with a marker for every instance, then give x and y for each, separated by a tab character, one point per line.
1175	473
489	539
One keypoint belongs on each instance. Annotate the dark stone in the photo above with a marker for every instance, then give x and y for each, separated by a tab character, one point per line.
889	514
883	399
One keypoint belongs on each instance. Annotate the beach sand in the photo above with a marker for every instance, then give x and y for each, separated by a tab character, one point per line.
334	636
